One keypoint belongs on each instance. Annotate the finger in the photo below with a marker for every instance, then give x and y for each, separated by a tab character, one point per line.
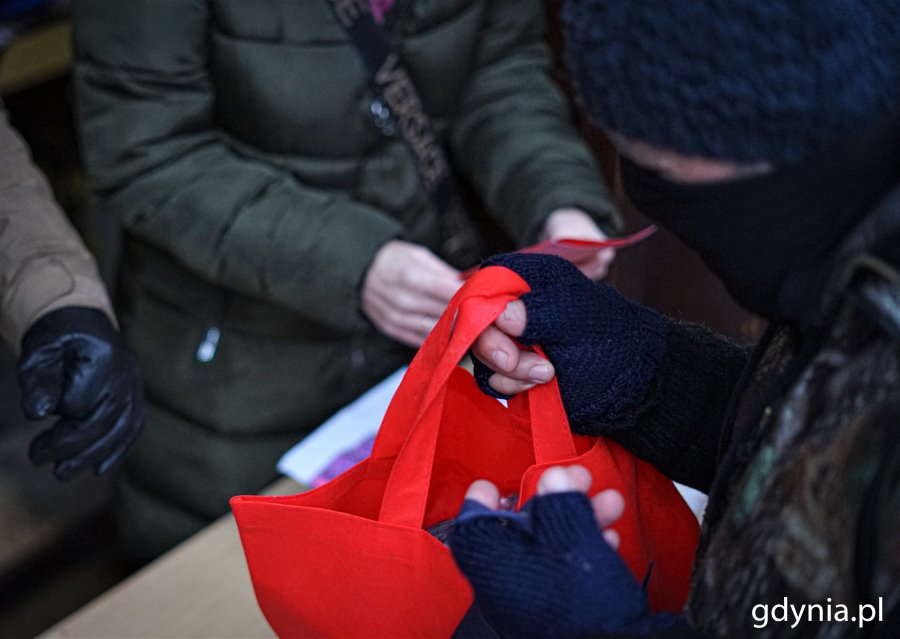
87	372
405	332
485	493
597	266
406	277
403	311
580	477
131	424
111	443
70	435
532	368
412	330
442	289
428	324
564	478
406	302
503	386
432	277
429	307
606	257
441	269
413	339
413	302
612	538
483	376
119	453
498	351
41	379
507	386
415	323
608	506
512	320
519	370
555	479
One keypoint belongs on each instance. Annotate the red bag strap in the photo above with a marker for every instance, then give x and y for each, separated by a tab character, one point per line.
542	407
411	424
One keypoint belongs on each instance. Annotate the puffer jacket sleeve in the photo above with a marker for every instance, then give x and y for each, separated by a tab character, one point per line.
146	109
514	135
44	265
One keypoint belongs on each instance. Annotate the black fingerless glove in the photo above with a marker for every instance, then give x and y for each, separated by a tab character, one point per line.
605	348
76	365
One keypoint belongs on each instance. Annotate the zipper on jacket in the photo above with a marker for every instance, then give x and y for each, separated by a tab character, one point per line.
208	346
206	351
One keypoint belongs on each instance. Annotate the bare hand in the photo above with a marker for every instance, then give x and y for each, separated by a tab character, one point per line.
516	370
575	224
608	505
406	290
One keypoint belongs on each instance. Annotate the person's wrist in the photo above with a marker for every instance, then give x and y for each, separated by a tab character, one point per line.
68	319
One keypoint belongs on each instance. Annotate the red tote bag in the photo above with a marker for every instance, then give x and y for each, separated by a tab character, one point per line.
353	558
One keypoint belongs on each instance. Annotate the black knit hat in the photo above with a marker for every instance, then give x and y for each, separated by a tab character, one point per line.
743	80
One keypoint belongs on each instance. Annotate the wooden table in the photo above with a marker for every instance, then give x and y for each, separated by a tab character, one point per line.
200	588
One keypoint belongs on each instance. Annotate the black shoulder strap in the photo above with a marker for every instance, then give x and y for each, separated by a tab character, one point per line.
401	107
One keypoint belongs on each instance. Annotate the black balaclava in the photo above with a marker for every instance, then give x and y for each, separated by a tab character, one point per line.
770	237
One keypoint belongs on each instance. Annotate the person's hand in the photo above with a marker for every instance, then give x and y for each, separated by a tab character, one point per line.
608	505
575	224
406	290
500	363
76	365
550	570
604	349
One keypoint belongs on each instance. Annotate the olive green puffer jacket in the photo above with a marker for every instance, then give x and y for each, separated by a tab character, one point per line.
234	141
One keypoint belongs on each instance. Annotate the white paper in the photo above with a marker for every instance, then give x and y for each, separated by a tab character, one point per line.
342	431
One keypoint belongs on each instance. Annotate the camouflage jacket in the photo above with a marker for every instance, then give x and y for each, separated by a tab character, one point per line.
801	535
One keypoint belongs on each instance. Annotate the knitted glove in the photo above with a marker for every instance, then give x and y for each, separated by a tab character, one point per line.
605	348
546	572
76	365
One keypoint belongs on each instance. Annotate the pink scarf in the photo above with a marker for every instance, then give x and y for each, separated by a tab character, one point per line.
379	8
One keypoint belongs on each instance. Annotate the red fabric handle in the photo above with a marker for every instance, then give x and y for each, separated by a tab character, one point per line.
542	406
410	427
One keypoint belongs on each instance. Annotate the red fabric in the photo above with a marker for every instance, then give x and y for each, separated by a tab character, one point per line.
352	558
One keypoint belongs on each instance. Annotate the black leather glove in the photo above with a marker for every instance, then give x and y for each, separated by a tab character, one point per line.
606	349
76	365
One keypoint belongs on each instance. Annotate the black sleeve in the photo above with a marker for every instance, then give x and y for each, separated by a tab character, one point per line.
679	425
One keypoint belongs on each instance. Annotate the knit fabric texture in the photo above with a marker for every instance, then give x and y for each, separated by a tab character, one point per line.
746	80
547	572
679	425
605	349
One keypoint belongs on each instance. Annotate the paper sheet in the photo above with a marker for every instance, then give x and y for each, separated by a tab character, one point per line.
343	431
577	251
